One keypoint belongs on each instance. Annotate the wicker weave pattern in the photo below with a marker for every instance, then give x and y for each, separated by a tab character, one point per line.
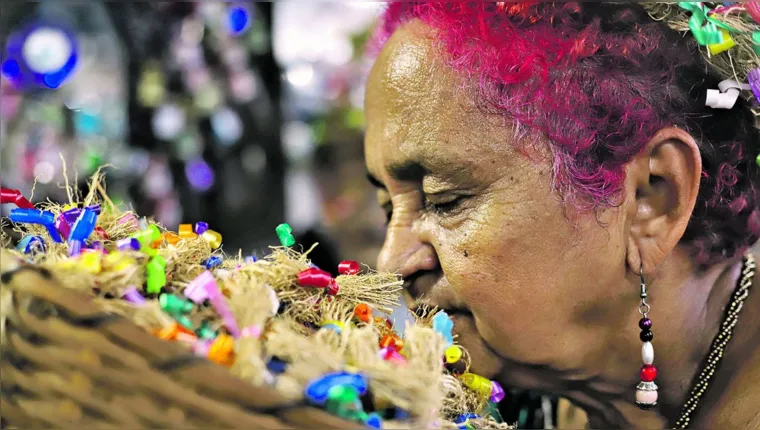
67	364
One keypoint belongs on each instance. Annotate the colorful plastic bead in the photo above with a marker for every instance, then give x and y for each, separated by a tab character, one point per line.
392	355
444	326
75	248
201	227
186	231
31	245
171	331
343	401
196	289
462	419
276	366
148	236
156	276
133	296
390	341
253	331
363	312
285	234
477	383
173	304
317	390
221	350
8	195
251	259
725	45
171	238
497	392
34	216
222	309
117	261
374	421
63	226
315	278
213	238
128	244
205	331
90	260
337	326
349	267
453	354
84	225
211	262
102	233
333	288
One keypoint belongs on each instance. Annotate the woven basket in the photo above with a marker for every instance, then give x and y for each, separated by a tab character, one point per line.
67	364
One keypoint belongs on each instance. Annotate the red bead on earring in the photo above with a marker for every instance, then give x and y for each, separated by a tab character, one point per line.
646	390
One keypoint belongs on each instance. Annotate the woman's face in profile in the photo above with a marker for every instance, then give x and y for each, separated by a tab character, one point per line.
475	228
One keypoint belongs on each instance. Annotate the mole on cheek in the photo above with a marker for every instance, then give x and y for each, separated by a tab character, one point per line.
465	253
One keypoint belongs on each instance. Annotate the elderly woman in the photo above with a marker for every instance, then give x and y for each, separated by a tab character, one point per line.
554	180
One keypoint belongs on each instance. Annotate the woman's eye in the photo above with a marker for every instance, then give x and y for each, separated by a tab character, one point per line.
442	207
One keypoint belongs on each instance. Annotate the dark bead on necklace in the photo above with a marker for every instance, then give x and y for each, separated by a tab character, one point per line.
645	323
646	336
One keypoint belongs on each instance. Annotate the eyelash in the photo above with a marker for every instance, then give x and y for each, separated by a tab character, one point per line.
442	208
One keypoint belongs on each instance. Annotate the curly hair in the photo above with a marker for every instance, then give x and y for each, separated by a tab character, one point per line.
598	81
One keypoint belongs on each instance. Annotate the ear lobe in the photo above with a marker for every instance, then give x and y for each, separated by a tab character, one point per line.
664	181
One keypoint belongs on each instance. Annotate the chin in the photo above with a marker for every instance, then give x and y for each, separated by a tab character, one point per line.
483	360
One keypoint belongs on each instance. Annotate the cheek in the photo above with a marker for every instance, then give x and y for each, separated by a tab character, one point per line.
512	266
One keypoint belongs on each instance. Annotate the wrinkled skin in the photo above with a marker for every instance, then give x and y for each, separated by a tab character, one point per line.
543	296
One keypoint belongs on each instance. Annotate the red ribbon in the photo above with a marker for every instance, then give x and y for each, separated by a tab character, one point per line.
8	195
314	278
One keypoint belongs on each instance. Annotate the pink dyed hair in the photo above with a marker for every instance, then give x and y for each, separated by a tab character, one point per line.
599	80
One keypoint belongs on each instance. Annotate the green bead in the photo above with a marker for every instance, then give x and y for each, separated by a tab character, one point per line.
343	393
175	305
159	261
184	321
156	278
757	160
343	401
285	233
148	236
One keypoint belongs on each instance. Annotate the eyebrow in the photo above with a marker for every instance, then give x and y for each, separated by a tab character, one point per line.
404	171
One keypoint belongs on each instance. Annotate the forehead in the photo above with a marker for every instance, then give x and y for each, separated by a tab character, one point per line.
418	109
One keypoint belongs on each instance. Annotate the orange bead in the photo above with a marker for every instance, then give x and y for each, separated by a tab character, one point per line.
222	349
363	312
171	238
186	231
169	332
388	341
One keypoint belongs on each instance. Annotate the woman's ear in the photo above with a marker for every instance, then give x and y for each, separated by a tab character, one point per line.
662	185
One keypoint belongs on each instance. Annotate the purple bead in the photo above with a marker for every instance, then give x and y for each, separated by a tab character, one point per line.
75	248
63	226
497	393
129	244
201	347
753	77
196	289
201	227
645	324
94	208
96	245
133	296
71	215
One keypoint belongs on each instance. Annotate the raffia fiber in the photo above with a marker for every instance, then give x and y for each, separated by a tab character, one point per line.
254	292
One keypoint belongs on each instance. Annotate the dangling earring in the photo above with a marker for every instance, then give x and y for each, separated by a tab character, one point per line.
646	391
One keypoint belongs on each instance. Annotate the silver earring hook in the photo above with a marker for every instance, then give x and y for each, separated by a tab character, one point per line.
644	307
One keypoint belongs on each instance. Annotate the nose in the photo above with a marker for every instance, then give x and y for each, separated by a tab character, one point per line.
406	252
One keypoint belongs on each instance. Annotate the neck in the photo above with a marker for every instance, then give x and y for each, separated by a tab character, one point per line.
687	311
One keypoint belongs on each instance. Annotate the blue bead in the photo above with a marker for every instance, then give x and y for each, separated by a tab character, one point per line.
316	390
400	414
251	259
212	262
84	225
466	417
32	216
276	366
238	19
201	227
31	245
444	326
374	421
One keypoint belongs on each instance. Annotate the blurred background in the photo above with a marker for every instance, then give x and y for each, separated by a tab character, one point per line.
243	115
240	114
